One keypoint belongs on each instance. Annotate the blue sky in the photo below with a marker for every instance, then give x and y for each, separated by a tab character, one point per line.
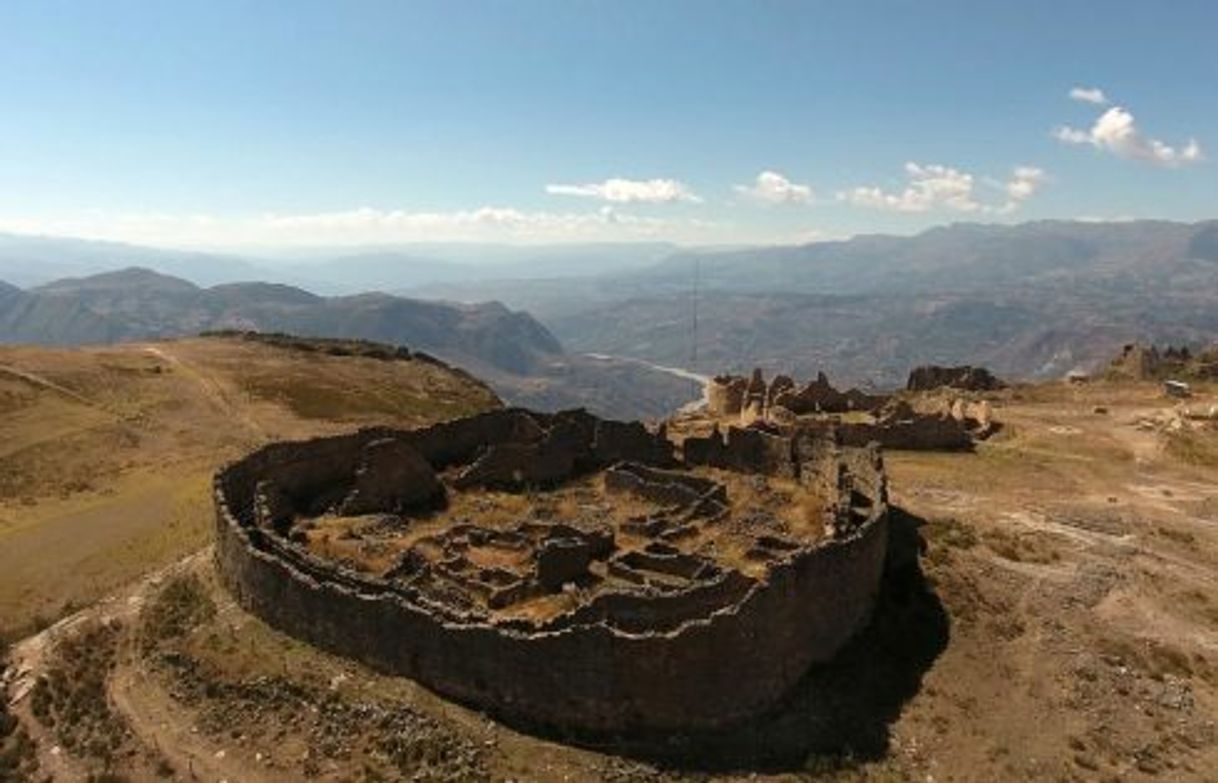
241	123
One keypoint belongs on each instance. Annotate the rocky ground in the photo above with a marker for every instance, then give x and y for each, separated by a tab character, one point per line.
1060	622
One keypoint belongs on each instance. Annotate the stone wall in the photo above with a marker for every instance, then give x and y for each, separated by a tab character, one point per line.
706	659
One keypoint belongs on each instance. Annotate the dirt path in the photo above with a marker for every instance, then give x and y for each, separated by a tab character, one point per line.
165	727
49	385
212	389
151	727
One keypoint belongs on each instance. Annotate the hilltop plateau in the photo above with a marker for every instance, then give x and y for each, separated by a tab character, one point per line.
1048	612
108	452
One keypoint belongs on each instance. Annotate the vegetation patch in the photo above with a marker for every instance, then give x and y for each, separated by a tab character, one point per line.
1022	547
951	532
70	698
17	758
324	345
384	741
1194	447
182	605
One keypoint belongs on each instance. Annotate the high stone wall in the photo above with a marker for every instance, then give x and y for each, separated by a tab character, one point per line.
707	658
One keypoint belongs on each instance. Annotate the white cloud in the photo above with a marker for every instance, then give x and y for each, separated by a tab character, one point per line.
930	186
1024	182
773	188
625	191
934	186
1115	131
366	225
1089	95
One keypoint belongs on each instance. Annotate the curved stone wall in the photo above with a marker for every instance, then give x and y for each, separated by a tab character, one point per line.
707	659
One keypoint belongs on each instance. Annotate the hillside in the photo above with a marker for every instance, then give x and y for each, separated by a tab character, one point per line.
106	453
509	349
141	304
1050	614
1033	300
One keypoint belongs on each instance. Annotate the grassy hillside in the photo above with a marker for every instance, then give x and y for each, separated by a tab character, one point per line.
106	454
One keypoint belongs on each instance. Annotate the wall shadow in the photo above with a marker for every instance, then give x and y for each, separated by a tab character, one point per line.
843	709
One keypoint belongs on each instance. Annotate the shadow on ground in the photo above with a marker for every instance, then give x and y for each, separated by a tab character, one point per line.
839	712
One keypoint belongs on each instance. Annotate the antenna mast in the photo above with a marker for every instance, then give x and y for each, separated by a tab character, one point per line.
693	347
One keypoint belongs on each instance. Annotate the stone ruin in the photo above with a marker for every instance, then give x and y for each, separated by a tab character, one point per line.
853	417
964	377
564	571
751	398
1141	363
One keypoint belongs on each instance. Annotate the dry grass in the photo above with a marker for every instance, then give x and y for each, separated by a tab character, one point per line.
1022	546
106	457
1194	447
182	605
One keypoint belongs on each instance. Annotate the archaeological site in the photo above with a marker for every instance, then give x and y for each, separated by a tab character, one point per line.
938	412
562	570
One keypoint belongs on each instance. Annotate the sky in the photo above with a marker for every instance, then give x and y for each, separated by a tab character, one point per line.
240	124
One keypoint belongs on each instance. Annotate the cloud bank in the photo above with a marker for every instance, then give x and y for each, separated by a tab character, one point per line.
1092	95
1116	132
626	191
367	225
935	186
770	187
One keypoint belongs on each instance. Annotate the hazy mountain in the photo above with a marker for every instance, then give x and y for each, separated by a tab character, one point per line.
419	267
1032	300
139	303
30	260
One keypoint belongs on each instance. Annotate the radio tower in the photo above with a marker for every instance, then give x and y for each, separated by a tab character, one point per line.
693	342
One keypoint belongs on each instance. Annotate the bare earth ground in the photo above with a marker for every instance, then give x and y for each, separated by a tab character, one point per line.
1068	631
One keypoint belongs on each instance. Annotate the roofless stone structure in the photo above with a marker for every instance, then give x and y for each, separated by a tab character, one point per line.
560	569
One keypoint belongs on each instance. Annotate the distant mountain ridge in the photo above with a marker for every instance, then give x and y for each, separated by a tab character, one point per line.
34	260
508	349
134	303
30	261
1032	300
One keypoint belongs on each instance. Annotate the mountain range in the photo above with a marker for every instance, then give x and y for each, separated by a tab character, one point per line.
509	349
1032	300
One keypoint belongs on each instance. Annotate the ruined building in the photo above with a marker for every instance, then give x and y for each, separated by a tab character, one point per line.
853	417
563	570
